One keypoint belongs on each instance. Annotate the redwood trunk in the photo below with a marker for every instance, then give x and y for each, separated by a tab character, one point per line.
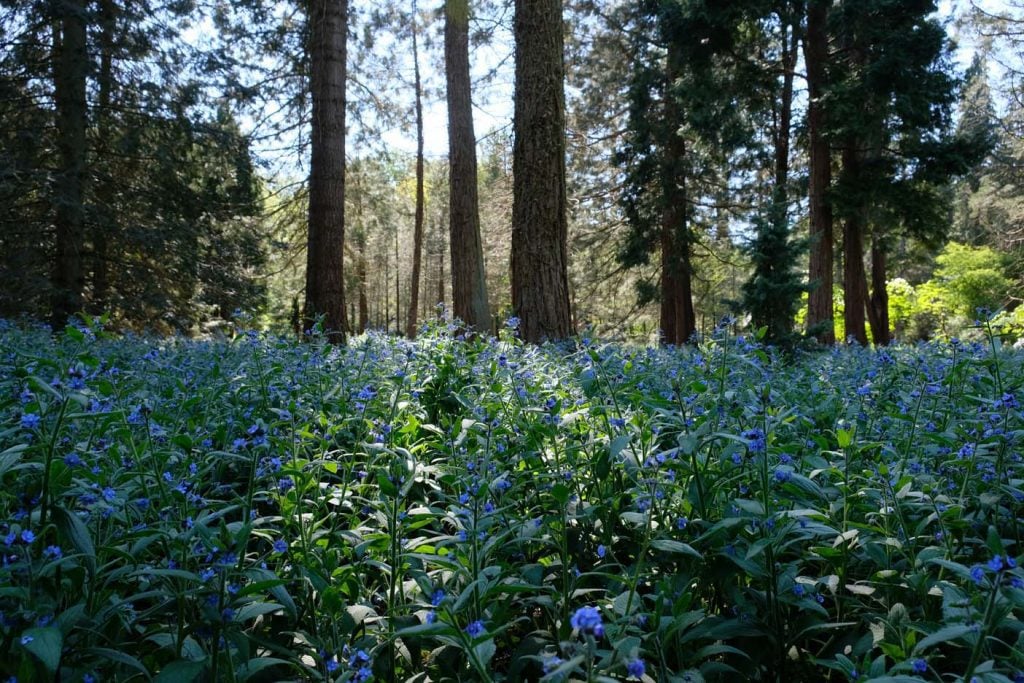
878	309
820	304
540	288
469	283
678	319
69	80
325	281
855	286
104	220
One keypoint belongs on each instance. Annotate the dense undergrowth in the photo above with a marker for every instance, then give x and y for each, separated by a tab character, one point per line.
450	510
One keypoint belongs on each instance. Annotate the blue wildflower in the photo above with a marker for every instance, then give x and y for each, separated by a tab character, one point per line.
635	668
30	421
475	629
588	620
919	666
551	663
977	573
280	546
756	440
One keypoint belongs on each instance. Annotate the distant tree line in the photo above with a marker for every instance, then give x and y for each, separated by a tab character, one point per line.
666	163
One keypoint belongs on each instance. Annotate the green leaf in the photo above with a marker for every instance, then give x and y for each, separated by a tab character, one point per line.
677	547
10	457
119	657
255	609
258	664
45	644
485	651
277	590
71	527
437	628
181	671
944	634
844	437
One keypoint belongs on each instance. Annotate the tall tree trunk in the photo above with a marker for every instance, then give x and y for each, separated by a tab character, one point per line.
103	222
678	319
398	288
878	308
469	282
855	286
325	276
820	304
440	276
785	120
417	240
70	65
540	288
364	309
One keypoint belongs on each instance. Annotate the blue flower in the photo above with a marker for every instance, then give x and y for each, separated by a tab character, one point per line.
588	620
799	591
437	597
996	563
977	573
27	536
635	668
756	440
551	663
475	629
280	546
30	421
919	666
601	551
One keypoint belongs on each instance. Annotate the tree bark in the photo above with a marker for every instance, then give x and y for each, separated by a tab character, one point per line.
782	133
678	319
104	221
820	304
469	283
878	308
325	281
70	66
417	241
540	290
855	286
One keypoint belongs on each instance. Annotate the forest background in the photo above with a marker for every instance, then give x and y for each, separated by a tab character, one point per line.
825	168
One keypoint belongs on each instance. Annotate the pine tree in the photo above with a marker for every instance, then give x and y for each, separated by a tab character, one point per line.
540	288
325	276
469	284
